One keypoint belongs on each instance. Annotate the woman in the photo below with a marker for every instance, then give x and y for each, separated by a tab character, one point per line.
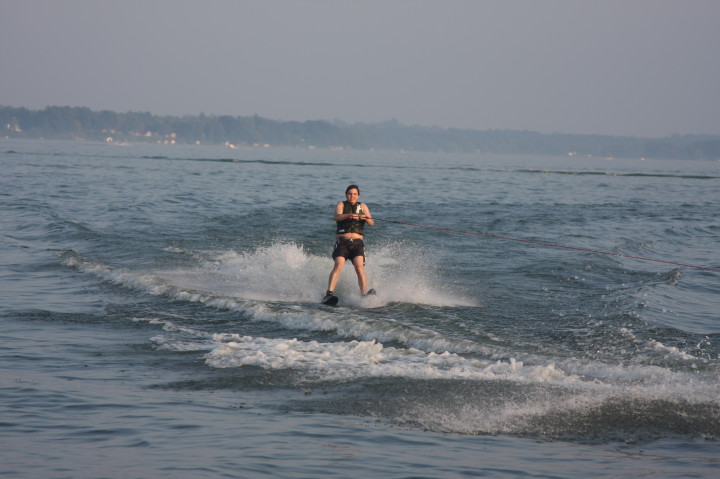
351	217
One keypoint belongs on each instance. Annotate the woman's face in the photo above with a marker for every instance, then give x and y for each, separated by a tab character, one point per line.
352	195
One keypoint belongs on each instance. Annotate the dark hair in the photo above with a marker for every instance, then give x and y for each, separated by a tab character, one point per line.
352	187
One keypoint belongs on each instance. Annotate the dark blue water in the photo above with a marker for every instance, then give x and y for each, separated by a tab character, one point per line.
160	315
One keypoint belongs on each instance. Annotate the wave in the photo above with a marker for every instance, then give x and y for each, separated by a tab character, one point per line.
286	272
247	283
350	360
610	173
442	168
448	384
449	392
282	283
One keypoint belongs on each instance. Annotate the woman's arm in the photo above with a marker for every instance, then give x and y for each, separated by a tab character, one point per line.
339	216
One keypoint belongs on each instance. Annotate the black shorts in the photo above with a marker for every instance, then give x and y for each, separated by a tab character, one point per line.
349	248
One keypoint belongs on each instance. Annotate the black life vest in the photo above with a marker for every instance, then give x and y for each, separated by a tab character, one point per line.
348	225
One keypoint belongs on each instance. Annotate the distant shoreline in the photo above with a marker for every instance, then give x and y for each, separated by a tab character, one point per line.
80	123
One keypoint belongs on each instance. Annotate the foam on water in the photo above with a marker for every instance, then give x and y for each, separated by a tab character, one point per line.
278	284
476	395
286	272
344	361
283	283
479	395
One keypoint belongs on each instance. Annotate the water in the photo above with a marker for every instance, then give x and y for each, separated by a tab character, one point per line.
160	315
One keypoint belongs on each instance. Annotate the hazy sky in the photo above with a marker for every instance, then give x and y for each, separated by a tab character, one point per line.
621	67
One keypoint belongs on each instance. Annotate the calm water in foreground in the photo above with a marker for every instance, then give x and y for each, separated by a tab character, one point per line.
160	315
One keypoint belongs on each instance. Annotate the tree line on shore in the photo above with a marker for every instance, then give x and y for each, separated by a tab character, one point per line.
80	123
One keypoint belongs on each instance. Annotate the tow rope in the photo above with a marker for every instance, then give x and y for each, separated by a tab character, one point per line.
553	245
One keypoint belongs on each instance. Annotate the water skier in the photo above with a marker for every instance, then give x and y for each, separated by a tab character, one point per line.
351	217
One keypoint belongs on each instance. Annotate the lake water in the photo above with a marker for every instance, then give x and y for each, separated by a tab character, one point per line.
160	315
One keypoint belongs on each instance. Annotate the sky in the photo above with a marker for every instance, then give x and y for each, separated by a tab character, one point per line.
646	68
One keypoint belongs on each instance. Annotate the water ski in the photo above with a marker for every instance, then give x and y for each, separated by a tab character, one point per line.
330	300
